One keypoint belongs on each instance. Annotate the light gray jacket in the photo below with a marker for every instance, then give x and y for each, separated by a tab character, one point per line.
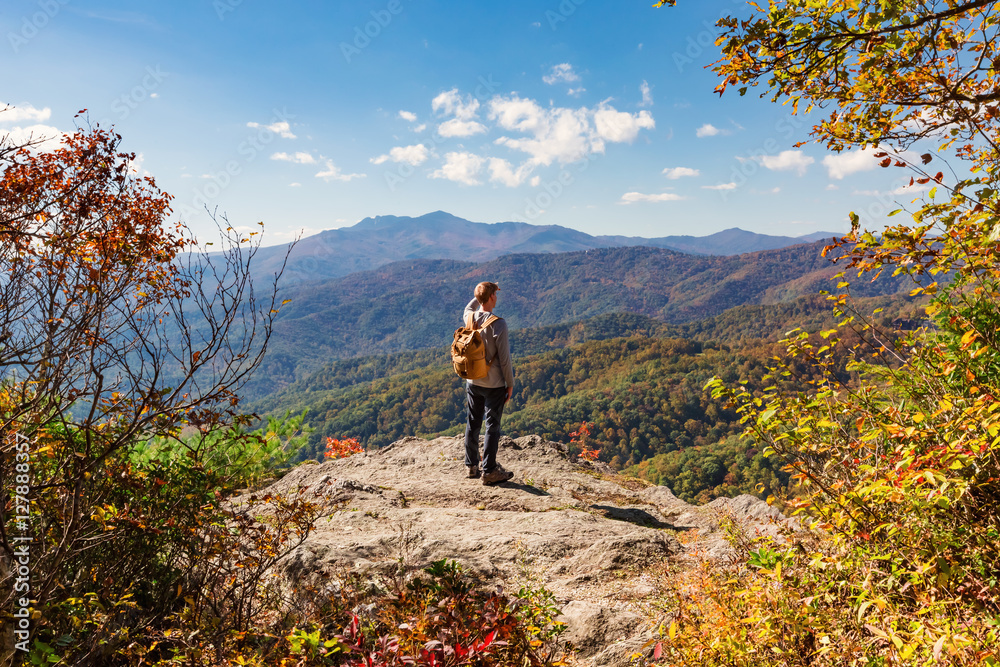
497	347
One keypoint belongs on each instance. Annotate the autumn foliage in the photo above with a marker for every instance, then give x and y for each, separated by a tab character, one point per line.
123	352
579	438
341	448
894	445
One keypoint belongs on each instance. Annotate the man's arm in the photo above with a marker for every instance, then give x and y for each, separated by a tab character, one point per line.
470	307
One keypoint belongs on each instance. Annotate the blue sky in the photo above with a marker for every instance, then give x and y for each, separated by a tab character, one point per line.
313	115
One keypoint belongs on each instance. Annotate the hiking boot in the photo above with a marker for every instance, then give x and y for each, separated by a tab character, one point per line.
473	472
496	476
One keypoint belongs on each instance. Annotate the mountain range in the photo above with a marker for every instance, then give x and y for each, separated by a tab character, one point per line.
381	240
416	304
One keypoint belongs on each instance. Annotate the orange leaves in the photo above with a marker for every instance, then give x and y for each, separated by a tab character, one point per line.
342	448
579	437
75	212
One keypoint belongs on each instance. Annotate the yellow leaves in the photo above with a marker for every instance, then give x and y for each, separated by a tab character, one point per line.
943	406
968	338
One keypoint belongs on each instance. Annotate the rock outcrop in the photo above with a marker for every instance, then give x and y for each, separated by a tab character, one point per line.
589	535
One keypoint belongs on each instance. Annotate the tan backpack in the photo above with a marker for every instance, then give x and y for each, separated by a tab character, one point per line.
468	352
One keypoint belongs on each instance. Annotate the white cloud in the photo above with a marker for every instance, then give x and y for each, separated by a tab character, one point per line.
851	162
298	158
461	168
673	173
831	186
720	186
464	110
460	128
561	72
295	185
281	128
452	104
620	126
420	128
23	113
502	171
647	93
332	173
796	161
633	197
559	134
915	189
135	166
408	116
576	92
43	136
413	155
709	130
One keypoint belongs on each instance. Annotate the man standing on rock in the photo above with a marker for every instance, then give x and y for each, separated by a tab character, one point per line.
487	396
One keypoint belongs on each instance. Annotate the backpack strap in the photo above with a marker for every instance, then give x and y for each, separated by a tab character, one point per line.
470	321
490	320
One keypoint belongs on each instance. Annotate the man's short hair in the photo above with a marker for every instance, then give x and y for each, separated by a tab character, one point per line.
484	291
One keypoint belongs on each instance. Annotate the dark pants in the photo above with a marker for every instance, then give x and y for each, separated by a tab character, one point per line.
480	402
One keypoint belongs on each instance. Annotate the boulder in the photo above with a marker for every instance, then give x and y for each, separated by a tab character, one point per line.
578	528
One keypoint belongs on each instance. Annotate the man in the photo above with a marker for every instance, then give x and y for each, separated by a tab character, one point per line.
486	396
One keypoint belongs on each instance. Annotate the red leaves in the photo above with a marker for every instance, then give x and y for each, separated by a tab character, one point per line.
581	433
579	437
339	449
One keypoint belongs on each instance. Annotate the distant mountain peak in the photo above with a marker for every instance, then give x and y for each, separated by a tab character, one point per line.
381	239
433	218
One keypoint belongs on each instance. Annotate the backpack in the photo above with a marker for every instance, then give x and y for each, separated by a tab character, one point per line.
468	352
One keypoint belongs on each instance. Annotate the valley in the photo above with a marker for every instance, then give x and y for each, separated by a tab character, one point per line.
622	339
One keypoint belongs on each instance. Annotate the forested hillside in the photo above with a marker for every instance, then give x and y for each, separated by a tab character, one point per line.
637	381
417	304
